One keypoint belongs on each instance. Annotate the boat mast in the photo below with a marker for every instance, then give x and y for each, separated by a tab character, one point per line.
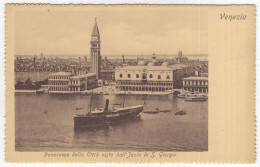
90	106
124	100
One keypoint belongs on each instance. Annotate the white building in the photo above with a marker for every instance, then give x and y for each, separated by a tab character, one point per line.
82	82
195	84
144	78
59	81
149	76
65	82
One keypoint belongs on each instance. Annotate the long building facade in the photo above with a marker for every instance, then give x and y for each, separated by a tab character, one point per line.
67	82
196	84
144	78
82	82
148	76
59	81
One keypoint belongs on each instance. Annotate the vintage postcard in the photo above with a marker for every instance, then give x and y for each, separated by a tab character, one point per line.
130	83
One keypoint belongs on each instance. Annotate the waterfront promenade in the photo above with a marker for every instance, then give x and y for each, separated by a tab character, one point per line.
110	89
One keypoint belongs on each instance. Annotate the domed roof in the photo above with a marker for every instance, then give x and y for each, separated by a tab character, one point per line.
165	63
141	63
151	63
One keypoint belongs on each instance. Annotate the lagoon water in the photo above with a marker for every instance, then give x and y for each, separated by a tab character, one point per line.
45	123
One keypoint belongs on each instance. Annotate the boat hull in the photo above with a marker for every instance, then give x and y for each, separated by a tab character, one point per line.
89	122
181	96
195	99
107	119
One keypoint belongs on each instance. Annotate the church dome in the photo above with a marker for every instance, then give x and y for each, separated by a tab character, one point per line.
141	63
151	63
165	63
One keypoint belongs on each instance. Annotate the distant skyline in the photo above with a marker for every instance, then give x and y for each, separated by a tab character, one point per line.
122	32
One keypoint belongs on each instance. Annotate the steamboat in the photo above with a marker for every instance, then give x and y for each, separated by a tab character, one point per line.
104	117
194	96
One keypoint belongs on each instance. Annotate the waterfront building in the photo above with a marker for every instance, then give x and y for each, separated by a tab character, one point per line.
150	77
82	82
204	74
108	75
144	78
66	81
180	71
95	51
59	81
195	84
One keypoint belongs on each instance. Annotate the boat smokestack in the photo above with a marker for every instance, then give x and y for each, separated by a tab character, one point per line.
106	106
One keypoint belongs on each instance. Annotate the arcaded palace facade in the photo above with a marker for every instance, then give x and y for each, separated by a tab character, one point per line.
150	77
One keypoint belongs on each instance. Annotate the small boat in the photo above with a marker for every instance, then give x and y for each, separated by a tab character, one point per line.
39	92
165	110
191	94
151	112
196	98
181	95
180	113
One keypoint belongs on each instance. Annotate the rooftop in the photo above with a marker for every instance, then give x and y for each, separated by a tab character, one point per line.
159	68
196	78
103	71
179	65
61	74
83	76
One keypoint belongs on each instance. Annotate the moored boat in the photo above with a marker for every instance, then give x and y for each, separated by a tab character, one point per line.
181	95
196	98
180	113
165	110
155	111
38	92
193	96
151	112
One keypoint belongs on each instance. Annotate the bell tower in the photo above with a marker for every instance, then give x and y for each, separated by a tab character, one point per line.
95	51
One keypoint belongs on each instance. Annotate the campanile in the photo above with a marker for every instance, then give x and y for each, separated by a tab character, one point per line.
95	51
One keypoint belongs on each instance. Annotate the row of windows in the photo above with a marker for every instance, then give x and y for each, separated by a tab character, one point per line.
202	83
58	83
150	76
59	77
197	89
58	89
65	83
143	84
64	89
144	88
74	82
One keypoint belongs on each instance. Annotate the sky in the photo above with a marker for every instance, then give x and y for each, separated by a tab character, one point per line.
128	32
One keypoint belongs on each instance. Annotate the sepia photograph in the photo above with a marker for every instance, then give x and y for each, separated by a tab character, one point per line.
129	84
111	80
